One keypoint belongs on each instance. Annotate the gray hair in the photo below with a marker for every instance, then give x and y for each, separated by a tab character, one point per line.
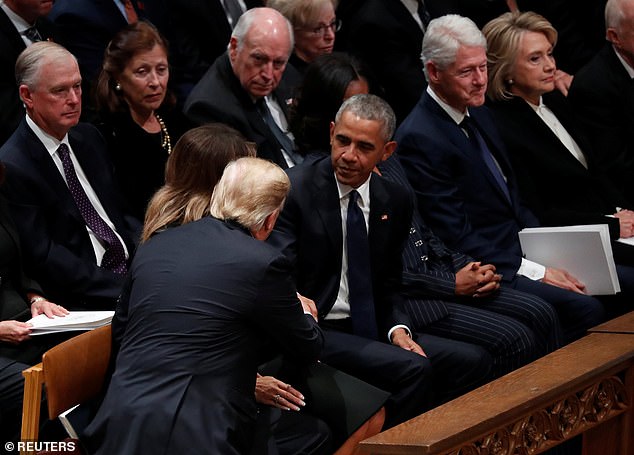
246	21
445	35
249	190
370	107
34	57
615	13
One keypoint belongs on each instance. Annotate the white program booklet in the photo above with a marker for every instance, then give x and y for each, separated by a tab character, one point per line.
75	320
585	251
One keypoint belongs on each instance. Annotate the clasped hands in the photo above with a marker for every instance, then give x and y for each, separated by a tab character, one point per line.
477	280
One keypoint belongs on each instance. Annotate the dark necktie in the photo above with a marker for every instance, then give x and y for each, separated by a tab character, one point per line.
32	34
114	257
423	14
281	137
360	293
478	141
233	10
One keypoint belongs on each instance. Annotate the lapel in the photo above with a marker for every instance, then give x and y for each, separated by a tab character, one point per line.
325	199
13	37
49	177
457	137
542	134
405	21
380	219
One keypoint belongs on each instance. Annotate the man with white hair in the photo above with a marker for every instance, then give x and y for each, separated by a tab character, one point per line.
244	88
466	190
602	93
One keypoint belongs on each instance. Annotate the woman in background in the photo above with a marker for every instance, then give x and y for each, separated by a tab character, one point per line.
328	81
136	111
314	24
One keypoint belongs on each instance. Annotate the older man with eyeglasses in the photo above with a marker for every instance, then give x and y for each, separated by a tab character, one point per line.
245	89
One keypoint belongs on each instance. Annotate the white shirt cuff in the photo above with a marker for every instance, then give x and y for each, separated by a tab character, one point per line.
531	270
398	326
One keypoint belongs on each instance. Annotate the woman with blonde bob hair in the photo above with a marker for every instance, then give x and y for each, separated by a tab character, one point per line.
559	173
503	39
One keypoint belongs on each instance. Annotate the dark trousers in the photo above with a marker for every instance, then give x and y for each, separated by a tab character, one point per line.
577	312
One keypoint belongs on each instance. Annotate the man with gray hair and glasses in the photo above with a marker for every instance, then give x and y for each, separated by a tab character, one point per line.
244	88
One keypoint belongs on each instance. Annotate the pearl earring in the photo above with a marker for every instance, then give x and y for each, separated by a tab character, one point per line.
117	87
510	81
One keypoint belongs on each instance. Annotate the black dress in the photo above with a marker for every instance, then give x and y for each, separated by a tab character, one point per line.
138	156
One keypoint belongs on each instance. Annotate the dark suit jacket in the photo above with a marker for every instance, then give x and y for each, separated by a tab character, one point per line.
85	28
198	34
309	233
57	249
456	193
11	45
602	94
552	182
219	97
203	300
385	35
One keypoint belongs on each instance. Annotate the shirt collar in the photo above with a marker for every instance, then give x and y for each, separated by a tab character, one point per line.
454	113
18	21
628	68
363	190
50	143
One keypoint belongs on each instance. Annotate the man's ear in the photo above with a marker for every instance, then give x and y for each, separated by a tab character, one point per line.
233	48
388	149
25	96
432	72
332	132
612	36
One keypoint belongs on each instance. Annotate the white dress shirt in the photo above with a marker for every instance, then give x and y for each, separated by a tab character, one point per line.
51	144
527	268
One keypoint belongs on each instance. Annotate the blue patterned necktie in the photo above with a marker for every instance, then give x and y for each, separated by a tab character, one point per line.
114	257
360	296
478	141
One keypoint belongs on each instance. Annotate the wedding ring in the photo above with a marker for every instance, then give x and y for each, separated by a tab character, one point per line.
276	398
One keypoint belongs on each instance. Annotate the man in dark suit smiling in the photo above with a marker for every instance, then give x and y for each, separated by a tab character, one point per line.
344	228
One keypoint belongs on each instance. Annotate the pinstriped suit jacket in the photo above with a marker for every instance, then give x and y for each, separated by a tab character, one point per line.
428	265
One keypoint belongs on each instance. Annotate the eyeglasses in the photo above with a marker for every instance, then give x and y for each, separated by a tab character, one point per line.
320	30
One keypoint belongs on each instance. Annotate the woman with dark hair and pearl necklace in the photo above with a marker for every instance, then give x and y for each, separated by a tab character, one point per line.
136	111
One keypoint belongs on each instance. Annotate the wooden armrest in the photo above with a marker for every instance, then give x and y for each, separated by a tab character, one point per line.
33	380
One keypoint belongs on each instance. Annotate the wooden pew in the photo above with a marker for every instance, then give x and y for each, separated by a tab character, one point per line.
586	388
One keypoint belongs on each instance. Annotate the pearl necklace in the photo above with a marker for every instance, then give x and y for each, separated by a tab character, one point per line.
167	143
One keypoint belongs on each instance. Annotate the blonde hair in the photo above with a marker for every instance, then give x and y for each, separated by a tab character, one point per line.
191	173
300	13
249	190
503	36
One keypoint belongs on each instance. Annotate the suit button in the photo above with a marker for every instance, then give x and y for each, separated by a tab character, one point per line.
418	243
424	258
